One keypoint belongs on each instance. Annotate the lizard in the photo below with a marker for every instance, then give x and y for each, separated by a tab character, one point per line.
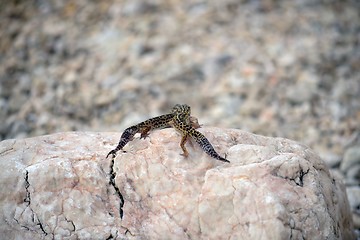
181	120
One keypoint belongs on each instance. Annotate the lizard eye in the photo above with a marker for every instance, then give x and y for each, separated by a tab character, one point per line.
184	116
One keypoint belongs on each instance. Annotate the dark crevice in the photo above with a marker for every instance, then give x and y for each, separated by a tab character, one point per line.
128	232
294	230
41	227
6	151
301	177
27	199
117	190
111	214
298	180
72	223
111	236
27	228
23	226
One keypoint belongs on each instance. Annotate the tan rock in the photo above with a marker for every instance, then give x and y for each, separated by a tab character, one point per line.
61	186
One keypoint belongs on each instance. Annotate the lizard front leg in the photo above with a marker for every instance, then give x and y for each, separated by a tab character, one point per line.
194	122
144	132
182	145
154	123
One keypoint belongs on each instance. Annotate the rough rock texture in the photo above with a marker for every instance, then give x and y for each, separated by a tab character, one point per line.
61	186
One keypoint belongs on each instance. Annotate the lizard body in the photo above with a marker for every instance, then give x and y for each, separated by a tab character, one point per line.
180	119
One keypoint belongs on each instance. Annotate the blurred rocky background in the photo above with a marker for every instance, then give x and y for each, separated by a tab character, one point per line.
277	68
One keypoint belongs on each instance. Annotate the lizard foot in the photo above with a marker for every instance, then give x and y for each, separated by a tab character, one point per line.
185	154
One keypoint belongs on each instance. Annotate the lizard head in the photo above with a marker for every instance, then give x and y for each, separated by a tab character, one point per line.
181	108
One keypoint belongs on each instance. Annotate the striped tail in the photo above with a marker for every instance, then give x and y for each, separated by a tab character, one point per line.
207	147
126	137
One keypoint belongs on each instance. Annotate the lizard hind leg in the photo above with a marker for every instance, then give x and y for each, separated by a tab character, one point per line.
182	145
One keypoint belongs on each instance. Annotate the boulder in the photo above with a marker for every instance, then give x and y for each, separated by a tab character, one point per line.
61	186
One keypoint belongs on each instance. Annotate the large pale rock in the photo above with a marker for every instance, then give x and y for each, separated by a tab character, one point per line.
61	186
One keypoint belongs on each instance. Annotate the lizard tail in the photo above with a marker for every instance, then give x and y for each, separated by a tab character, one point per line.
126	137
207	147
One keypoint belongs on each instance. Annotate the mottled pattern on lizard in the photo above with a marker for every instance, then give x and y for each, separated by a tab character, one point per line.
143	128
182	123
181	120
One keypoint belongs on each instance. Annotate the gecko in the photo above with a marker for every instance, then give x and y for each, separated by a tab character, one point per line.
180	118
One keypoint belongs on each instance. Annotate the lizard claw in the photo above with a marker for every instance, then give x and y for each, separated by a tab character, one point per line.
185	155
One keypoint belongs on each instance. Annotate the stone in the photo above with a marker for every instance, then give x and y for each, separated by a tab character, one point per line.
61	186
351	158
353	194
139	7
332	160
353	175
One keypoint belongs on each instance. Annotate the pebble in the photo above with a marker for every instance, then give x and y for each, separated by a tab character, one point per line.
351	158
332	160
137	7
353	194
353	175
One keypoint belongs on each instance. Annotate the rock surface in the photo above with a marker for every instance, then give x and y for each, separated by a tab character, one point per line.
61	186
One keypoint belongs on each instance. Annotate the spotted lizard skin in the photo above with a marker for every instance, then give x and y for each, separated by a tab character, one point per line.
180	119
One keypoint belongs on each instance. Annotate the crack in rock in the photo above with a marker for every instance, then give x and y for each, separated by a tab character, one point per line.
128	231
41	227
117	190
298	179
111	236
301	177
72	223
27	200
